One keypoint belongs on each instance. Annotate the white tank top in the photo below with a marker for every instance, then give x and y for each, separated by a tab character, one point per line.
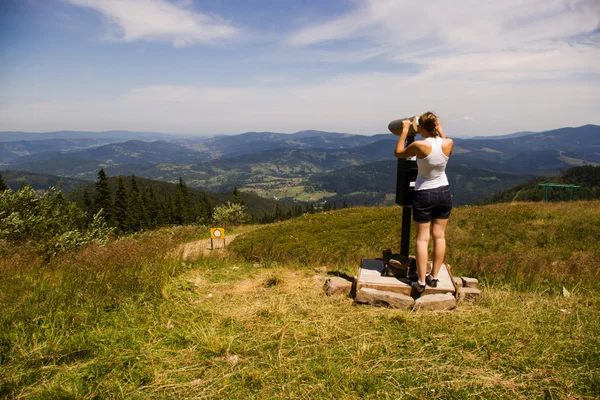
432	169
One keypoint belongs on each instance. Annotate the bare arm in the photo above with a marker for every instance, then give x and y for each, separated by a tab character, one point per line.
450	143
402	151
440	130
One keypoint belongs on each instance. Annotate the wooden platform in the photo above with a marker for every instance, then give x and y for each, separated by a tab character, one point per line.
369	276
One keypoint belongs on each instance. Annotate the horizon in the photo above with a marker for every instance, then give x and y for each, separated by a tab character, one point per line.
196	67
208	135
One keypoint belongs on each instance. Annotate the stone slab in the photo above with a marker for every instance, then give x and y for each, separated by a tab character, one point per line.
337	285
383	298
458	282
369	276
468	294
469	282
435	302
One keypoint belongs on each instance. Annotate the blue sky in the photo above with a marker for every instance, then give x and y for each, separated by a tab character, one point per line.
232	66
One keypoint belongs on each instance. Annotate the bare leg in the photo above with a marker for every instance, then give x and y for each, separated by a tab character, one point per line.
422	243
439	245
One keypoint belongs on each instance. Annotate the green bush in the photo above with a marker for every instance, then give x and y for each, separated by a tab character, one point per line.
231	214
48	221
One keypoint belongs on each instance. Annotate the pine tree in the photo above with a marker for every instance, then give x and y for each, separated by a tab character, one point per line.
203	211
3	185
278	213
121	206
237	198
87	201
152	206
137	218
102	198
182	197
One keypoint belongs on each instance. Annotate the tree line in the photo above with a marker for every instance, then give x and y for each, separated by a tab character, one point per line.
132	207
131	204
586	176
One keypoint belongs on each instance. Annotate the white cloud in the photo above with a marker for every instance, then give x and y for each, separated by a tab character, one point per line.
504	40
160	20
468	24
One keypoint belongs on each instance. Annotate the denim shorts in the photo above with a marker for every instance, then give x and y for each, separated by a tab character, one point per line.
431	204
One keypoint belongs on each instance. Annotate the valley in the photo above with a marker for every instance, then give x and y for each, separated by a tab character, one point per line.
307	166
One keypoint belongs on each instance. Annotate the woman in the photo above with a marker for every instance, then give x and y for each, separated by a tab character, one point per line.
432	200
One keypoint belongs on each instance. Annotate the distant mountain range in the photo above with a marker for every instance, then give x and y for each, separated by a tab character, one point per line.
307	165
14	180
111	136
130	152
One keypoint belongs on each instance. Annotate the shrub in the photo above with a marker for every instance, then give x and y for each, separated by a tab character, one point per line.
48	221
231	214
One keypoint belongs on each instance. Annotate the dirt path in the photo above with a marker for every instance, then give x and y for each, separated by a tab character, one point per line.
193	250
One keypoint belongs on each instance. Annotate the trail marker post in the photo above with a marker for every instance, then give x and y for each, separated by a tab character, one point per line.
216	233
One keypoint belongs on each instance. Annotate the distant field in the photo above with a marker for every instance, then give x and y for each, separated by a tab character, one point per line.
297	193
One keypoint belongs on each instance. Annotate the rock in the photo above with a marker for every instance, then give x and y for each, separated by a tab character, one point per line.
382	298
337	285
256	265
396	264
396	268
458	282
469	282
468	294
435	302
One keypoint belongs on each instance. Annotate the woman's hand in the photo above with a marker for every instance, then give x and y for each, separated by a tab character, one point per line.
406	125
403	151
440	130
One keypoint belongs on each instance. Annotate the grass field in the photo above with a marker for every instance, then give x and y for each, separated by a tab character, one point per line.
130	321
286	190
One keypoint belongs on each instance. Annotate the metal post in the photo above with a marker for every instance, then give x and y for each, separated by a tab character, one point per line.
571	193
406	219
570	186
405	235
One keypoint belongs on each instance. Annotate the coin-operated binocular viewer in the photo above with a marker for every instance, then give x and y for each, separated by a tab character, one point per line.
405	180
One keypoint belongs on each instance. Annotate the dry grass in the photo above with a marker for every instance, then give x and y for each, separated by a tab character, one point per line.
240	335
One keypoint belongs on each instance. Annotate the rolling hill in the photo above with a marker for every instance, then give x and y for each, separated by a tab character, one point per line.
14	179
255	142
111	136
587	177
222	174
543	153
130	152
289	165
11	151
375	183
